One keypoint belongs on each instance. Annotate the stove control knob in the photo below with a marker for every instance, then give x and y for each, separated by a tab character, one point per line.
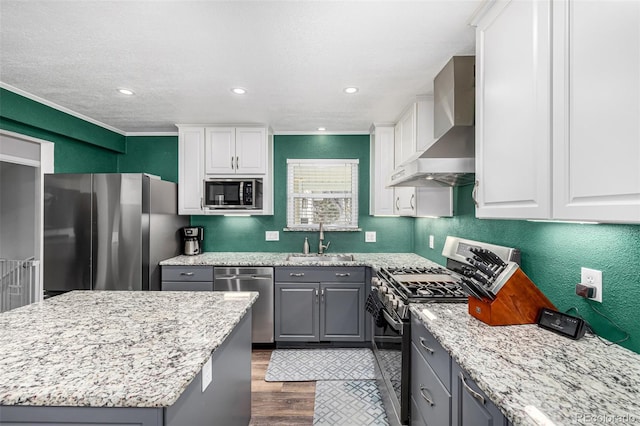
383	289
395	303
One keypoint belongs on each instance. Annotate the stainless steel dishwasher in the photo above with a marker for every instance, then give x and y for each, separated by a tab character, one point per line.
251	279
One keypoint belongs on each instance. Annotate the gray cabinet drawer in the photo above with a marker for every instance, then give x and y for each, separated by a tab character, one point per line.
186	286
437	357
433	400
187	273
316	274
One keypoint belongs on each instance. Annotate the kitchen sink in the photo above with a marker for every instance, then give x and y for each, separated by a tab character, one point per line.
304	258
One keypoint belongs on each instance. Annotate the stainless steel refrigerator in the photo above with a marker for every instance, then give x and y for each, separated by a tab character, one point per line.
108	231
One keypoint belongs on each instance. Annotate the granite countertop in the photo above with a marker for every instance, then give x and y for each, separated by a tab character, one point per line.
374	260
519	367
112	348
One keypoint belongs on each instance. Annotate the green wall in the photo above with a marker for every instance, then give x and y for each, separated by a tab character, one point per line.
156	155
247	233
552	254
80	146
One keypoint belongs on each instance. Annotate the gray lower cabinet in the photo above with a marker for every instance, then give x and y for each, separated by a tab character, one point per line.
187	278
472	407
430	379
314	304
441	391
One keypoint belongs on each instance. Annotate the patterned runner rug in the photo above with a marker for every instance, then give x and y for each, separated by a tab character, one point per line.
303	365
353	403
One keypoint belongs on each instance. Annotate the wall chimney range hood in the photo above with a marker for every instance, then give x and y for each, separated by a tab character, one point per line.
450	159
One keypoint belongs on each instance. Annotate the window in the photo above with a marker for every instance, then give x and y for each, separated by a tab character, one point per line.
322	191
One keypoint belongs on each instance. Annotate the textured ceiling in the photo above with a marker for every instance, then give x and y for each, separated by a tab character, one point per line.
182	58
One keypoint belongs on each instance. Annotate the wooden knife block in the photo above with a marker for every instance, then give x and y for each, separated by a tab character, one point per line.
517	302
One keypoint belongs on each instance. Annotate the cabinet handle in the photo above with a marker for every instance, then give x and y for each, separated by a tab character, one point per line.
316	294
474	193
232	162
473	393
346	274
237	163
188	274
321	294
411	201
296	274
427	348
397	203
425	397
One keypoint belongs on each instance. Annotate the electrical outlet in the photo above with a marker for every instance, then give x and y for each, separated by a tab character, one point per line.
272	236
592	278
431	242
370	237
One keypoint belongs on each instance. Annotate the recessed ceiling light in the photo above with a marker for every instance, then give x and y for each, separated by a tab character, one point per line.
239	90
351	90
127	92
322	129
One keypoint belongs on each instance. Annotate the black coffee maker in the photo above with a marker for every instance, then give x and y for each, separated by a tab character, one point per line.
192	237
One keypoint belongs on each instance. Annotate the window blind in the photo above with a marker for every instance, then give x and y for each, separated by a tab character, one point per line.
322	191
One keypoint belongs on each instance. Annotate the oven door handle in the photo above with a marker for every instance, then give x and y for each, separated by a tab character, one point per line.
397	326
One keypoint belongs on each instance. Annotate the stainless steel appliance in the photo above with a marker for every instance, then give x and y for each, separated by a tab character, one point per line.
192	237
233	193
108	231
393	289
450	158
251	279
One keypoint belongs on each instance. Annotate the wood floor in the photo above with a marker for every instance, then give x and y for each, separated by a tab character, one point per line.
278	403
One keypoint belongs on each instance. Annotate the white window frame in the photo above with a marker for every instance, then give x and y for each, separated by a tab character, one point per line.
353	195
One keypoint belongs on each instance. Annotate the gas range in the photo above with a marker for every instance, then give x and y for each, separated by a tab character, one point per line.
397	287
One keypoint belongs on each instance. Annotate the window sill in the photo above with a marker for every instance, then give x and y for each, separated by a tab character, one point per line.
326	229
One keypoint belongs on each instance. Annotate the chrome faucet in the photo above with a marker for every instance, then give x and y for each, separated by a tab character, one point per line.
322	247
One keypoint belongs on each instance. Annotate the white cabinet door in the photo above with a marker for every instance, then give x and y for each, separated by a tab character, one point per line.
251	150
597	110
190	170
220	150
406	143
405	201
513	118
381	199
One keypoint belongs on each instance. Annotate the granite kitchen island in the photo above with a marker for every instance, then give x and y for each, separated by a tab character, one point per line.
145	358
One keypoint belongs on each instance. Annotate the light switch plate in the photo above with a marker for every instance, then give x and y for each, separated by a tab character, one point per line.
431	241
370	237
272	235
207	374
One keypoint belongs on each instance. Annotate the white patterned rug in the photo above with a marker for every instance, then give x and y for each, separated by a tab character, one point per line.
303	365
353	403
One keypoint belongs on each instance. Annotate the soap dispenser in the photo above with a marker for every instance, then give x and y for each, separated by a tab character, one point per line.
305	247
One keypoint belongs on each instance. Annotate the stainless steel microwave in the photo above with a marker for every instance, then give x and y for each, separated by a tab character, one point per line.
232	193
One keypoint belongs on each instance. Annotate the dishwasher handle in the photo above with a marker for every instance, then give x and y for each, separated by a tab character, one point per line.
244	277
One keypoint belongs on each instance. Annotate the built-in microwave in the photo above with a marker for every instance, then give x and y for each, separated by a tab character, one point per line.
233	193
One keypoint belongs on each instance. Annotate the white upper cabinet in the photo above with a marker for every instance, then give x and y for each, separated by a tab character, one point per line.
382	162
513	118
405	132
596	111
210	152
558	137
190	170
236	150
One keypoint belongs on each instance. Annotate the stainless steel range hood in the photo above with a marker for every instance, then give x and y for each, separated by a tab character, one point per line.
450	159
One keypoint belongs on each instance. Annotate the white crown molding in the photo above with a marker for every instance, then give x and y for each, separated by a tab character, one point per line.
59	108
317	132
151	134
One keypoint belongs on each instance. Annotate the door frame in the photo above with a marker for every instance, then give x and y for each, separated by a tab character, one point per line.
45	165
